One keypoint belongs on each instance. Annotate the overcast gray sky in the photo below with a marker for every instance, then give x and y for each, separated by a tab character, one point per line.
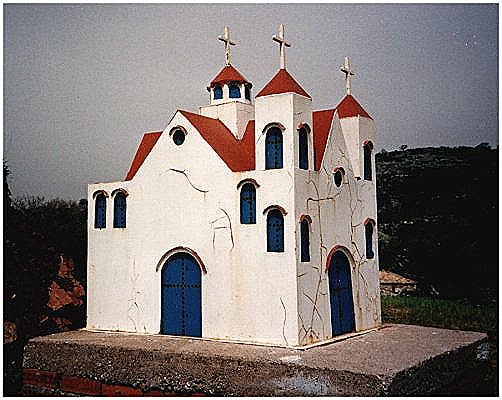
82	83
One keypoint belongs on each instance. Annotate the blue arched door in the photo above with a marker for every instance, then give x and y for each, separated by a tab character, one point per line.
181	296
340	295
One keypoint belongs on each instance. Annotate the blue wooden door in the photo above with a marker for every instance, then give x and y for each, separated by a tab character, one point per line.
340	294
181	296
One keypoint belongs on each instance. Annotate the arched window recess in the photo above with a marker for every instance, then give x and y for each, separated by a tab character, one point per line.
103	192
272	124
281	209
248	180
303	125
275	229
119	208
305	217
248	203
100	209
305	224
369	234
367	160
217	92
234	90
303	146
274	146
120	190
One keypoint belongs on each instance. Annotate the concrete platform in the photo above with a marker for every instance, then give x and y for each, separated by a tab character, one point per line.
393	360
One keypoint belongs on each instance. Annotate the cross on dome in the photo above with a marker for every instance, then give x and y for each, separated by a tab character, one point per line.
282	44
348	73
226	38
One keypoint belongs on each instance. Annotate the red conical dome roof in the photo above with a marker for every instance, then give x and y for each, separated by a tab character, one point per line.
229	74
282	82
349	107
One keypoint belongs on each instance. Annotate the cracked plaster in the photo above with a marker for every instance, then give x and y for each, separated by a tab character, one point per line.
248	294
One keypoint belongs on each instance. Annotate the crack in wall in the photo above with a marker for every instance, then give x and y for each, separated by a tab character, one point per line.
215	228
284	322
187	178
352	189
133	304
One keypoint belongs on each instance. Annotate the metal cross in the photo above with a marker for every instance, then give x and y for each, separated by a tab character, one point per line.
282	44
348	73
226	38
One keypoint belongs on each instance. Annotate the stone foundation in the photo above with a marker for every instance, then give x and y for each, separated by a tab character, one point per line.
395	360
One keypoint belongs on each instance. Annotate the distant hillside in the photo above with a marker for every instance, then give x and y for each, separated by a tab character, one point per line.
438	218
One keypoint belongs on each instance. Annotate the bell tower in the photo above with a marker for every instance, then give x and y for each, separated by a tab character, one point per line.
285	104
230	95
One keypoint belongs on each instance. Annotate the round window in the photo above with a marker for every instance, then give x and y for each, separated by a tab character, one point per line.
338	177
178	137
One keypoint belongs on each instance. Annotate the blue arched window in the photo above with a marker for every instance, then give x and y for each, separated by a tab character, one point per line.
305	240
368	230
100	211
367	149
119	210
303	148
247	93
248	204
217	92
275	231
273	148
234	91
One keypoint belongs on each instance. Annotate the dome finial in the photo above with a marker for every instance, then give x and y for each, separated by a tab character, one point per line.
348	73
226	38
282	44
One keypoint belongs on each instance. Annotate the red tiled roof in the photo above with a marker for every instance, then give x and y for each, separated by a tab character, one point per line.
321	121
227	75
282	82
146	145
349	107
239	155
392	277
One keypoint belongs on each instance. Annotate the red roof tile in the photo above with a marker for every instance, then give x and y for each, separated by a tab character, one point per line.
227	75
239	155
146	145
321	120
282	82
349	107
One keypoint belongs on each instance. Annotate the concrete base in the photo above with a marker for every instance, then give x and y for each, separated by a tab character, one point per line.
393	360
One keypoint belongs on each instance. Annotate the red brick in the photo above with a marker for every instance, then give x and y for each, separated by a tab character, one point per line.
119	390
37	377
154	392
77	385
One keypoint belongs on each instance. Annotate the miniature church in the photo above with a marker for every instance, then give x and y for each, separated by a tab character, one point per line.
252	220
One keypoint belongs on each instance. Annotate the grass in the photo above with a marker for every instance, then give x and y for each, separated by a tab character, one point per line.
440	313
450	314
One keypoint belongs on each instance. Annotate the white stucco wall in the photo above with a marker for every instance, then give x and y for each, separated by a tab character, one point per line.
234	114
186	196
